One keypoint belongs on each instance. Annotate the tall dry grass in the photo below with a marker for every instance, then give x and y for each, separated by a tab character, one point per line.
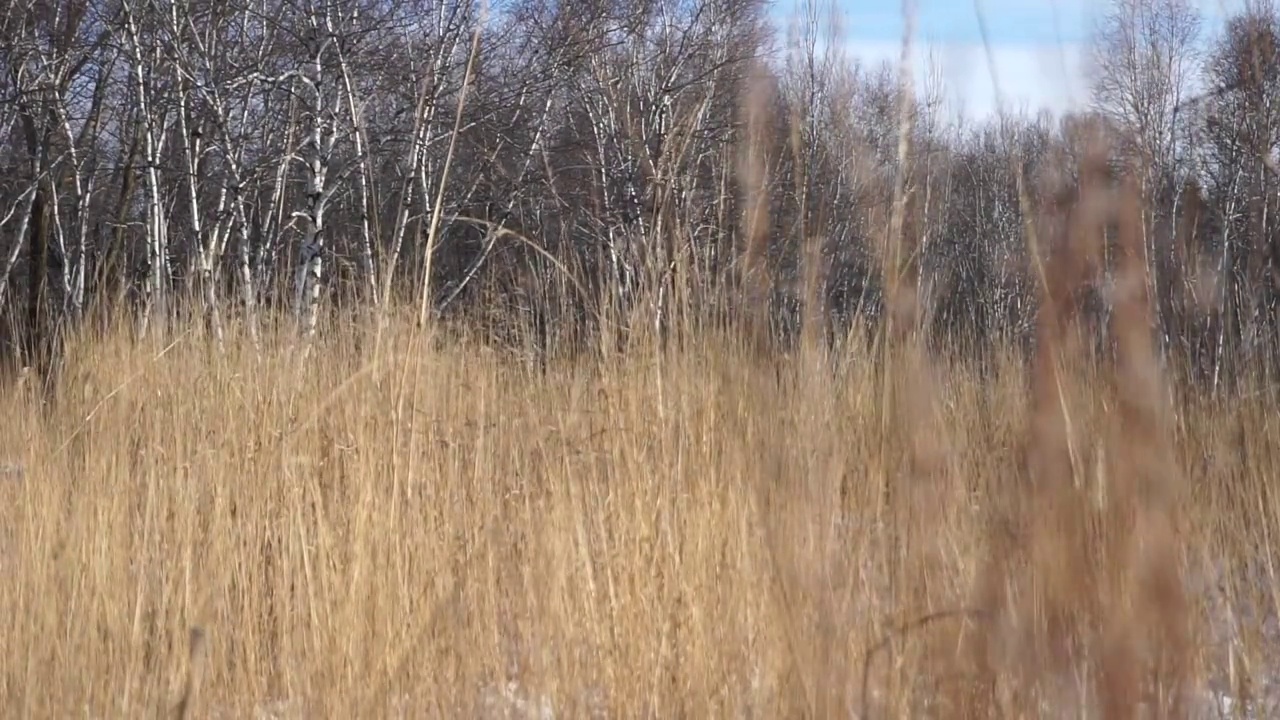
420	528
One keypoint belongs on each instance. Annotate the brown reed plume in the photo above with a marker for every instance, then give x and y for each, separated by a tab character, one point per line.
1147	632
753	176
1084	572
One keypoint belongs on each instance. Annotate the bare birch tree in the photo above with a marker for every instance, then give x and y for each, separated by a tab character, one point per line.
1145	63
143	53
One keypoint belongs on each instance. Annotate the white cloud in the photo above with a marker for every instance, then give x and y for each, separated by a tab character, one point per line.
1030	77
1039	48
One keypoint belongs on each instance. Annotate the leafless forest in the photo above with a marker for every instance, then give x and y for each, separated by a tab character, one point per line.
580	358
555	164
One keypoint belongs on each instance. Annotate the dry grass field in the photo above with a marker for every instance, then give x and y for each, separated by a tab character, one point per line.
406	523
409	528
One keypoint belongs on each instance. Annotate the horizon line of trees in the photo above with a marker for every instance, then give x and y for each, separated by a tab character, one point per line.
553	162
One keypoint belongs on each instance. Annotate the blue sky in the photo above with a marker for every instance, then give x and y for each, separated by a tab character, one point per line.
1039	46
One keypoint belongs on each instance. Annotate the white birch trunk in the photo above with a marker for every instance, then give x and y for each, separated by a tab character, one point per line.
152	142
424	116
362	189
26	201
319	151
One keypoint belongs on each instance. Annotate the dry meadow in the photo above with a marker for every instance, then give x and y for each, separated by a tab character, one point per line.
398	525
389	518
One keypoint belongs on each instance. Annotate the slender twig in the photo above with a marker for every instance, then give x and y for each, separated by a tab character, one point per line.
444	173
900	631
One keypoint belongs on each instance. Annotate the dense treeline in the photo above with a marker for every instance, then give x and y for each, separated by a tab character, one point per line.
556	163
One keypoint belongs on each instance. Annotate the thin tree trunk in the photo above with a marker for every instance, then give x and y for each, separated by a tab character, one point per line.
27	203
